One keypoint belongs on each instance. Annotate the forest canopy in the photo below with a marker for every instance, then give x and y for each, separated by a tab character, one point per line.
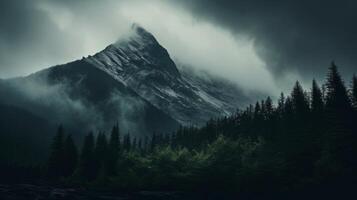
308	139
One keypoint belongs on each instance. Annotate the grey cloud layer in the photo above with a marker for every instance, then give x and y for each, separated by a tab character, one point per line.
41	33
302	36
289	36
24	35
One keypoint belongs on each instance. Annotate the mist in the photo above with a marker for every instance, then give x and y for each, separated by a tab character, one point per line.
61	101
70	30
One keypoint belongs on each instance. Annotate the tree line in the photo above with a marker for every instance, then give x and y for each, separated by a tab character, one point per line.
307	139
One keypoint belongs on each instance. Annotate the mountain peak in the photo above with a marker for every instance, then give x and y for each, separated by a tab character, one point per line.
140	30
138	37
139	52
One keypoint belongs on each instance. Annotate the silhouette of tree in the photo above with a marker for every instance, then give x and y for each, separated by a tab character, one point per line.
300	101
87	158
56	159
101	155
70	156
339	136
114	149
317	115
317	104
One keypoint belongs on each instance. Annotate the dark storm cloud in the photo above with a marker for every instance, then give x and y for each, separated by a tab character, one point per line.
289	36
24	32
302	36
38	34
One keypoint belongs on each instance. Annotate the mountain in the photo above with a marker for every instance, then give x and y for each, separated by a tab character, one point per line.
143	65
133	81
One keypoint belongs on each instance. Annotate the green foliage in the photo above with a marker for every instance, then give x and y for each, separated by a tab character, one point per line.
306	141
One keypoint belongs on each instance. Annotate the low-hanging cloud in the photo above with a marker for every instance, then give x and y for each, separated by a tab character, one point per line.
202	45
53	101
65	102
60	31
292	37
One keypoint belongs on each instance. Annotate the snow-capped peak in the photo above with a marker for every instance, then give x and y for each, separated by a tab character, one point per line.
142	64
139	51
138	35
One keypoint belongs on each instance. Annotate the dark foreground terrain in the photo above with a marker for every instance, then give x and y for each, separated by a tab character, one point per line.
34	192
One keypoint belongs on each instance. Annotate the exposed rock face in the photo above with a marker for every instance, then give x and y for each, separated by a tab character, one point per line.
142	64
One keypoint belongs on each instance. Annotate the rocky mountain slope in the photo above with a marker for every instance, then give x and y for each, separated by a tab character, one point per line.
133	81
143	65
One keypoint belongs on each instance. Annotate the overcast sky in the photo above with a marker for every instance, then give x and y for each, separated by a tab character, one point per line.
260	45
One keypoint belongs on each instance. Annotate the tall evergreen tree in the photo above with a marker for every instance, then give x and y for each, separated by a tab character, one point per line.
337	97
300	132
263	109
281	105
70	156
101	154
269	107
257	111
87	158
114	141
338	120
56	159
317	110
114	149
317	104
300	101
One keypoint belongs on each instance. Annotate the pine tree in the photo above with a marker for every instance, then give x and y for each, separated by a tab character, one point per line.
257	111
87	158
301	120
114	141
317	104
337	97
269	107
338	120
300	101
70	156
317	110
56	159
114	149
263	109
281	105
269	122
101	154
